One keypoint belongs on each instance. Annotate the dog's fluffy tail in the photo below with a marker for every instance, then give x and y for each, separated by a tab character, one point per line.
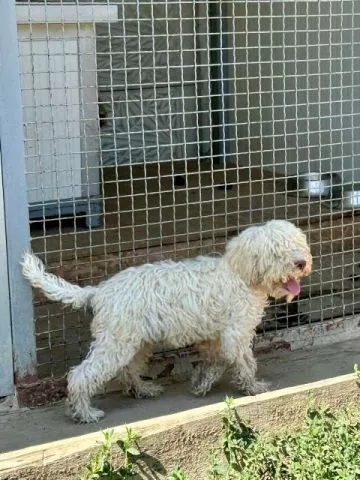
55	288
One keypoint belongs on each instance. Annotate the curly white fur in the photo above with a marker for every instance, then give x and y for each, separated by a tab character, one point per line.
213	302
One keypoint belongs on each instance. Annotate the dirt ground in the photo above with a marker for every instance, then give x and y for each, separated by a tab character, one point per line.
146	217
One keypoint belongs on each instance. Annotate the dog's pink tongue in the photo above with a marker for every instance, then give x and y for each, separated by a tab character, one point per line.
292	286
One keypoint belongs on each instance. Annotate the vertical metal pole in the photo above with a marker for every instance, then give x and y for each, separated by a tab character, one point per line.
218	26
15	198
225	79
215	79
6	361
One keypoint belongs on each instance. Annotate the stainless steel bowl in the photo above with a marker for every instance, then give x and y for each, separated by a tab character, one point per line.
315	184
351	199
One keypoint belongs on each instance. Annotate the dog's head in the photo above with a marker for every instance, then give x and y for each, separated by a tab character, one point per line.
271	257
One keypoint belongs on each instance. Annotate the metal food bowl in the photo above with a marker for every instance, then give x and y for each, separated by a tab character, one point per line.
315	184
351	199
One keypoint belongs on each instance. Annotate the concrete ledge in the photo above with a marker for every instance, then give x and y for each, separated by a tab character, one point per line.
313	335
183	438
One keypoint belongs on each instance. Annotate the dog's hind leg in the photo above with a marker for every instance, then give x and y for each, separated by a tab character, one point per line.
205	374
105	359
209	370
130	376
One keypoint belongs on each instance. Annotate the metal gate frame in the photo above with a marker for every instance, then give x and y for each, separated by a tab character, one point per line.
17	333
6	362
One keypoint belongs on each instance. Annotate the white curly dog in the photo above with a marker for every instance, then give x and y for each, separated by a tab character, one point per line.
214	303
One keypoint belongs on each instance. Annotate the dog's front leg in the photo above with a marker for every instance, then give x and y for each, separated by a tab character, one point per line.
239	354
244	376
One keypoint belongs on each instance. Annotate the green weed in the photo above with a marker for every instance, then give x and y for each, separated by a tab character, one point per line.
101	465
326	448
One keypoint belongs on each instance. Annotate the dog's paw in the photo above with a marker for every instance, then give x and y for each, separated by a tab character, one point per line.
146	390
90	415
200	390
257	387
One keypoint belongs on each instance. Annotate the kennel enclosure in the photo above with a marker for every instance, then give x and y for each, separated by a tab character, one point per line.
137	130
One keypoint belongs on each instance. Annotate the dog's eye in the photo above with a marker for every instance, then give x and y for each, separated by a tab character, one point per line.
300	264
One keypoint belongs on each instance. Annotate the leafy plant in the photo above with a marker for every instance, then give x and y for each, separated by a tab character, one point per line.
130	449
101	465
178	474
326	448
357	370
237	436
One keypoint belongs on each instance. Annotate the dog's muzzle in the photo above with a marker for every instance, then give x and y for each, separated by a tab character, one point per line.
292	285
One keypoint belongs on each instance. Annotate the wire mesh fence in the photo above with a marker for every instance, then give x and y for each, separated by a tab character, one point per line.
159	128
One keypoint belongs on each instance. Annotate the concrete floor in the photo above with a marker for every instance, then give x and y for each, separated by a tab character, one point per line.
33	427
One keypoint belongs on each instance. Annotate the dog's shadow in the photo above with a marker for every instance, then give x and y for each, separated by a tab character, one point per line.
148	467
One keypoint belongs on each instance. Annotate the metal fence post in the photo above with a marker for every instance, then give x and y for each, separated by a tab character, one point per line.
6	360
15	197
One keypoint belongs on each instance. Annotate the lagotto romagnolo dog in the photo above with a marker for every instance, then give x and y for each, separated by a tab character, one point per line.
215	303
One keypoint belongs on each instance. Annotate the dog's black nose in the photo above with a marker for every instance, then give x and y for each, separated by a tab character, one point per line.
300	264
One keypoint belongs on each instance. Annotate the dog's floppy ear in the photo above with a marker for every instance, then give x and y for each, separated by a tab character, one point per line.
243	256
